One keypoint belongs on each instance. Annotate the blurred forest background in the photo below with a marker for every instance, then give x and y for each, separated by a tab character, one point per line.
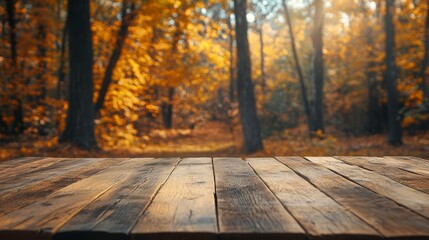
214	77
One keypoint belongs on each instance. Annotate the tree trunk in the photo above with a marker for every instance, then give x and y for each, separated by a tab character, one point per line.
10	7
245	89
423	84
261	50
127	19
318	67
167	106
394	122
80	115
298	69
167	110
18	122
4	128
374	123
61	68
232	83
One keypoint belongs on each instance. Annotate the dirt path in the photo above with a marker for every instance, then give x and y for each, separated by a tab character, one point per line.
207	139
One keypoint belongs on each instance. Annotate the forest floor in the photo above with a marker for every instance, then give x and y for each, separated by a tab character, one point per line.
217	139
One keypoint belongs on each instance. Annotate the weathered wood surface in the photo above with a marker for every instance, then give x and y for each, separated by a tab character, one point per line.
401	194
247	207
219	198
20	197
185	207
387	217
385	167
129	197
319	214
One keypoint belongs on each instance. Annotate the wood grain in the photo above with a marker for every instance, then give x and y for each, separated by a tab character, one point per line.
30	193
321	217
411	179
224	198
384	215
408	163
17	162
185	207
247	208
403	195
12	172
31	178
42	218
116	211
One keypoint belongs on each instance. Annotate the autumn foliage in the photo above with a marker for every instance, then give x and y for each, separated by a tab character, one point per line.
172	64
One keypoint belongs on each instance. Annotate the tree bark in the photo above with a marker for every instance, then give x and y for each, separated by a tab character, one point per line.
10	8
127	19
318	67
18	122
394	122
245	89
232	77
423	84
374	122
61	68
167	106
80	115
167	109
298	68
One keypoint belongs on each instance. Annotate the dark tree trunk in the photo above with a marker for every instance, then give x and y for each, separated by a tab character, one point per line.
3	25
245	89
167	110
298	69
423	84
127	18
18	122
261	52
61	67
4	128
10	8
394	122
80	115
232	76
318	67
374	122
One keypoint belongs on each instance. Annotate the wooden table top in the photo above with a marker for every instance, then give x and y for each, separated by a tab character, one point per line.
214	198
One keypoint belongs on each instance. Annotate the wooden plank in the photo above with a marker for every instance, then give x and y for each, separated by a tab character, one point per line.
387	217
247	208
42	218
17	162
185	206
115	212
411	164
21	197
411	179
24	167
22	180
413	199
318	214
